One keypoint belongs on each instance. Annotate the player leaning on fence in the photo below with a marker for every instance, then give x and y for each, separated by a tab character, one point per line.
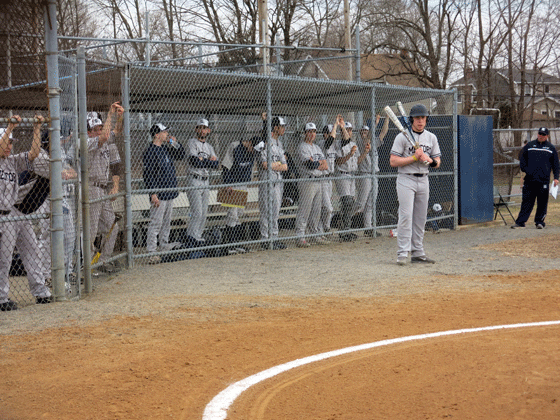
103	164
18	232
413	188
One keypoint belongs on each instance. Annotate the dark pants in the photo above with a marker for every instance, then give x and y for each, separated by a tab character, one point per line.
533	190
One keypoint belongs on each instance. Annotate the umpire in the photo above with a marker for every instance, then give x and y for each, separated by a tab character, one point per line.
537	159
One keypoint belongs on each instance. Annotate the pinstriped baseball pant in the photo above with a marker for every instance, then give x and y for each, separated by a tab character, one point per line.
20	233
102	218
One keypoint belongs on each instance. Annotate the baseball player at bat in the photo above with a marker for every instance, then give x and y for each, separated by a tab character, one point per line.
413	189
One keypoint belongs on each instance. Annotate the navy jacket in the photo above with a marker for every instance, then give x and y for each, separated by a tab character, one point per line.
537	160
159	169
242	166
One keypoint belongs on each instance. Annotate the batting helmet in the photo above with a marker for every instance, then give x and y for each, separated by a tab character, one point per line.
418	110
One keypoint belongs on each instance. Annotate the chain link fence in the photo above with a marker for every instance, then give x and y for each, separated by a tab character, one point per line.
243	177
202	162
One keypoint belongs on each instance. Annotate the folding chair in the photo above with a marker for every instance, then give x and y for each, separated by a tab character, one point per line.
499	202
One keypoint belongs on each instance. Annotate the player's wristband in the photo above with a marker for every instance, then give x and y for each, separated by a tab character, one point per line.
415	158
433	164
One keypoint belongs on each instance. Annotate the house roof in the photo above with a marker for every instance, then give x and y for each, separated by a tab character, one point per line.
392	69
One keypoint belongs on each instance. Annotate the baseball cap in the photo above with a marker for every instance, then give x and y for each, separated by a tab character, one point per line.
365	127
543	131
203	122
157	128
276	121
348	124
94	122
310	126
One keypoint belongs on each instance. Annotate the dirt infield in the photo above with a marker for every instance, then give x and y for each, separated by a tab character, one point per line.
160	342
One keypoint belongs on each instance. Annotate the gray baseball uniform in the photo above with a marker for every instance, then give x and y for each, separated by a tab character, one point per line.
326	187
102	215
310	195
413	191
277	155
346	186
366	188
41	167
198	172
17	233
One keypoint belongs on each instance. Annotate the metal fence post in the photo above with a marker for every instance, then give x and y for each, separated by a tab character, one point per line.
127	163
57	234
82	129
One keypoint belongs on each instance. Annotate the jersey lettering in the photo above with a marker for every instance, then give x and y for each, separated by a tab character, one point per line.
8	176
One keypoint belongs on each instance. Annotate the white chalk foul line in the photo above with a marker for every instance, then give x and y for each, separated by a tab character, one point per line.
217	408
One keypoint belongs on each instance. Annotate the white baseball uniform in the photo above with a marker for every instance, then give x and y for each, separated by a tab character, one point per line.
413	191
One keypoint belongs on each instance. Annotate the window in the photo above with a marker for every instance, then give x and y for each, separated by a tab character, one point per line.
546	88
543	112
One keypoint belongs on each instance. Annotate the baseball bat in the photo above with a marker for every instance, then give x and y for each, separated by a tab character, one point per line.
403	118
398	124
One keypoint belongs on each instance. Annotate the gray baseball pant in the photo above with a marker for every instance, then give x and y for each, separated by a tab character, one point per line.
413	194
160	224
326	207
102	219
366	194
20	233
276	191
198	202
309	206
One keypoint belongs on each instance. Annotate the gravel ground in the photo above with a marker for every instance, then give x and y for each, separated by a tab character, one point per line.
365	268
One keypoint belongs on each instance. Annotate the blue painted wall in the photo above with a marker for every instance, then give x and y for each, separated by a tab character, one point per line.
476	176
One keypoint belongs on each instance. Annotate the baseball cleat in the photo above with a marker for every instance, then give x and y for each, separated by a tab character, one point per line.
540	226
44	300
302	243
10	305
422	259
402	261
517	226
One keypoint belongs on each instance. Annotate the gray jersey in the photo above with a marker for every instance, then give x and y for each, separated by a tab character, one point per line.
307	152
351	165
366	165
201	150
402	147
10	167
277	155
101	159
330	155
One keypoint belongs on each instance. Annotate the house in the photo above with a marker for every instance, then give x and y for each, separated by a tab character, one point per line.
542	94
394	69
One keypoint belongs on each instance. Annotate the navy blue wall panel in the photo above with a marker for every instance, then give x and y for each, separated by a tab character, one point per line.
476	175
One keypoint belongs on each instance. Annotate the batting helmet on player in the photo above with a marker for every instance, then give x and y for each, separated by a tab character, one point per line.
418	110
